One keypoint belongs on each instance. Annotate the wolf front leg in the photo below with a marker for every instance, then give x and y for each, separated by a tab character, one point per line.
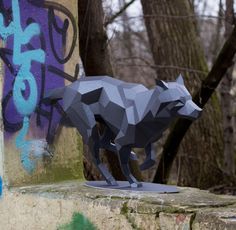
124	156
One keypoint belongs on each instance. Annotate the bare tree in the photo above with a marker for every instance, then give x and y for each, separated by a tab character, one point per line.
94	52
174	43
93	39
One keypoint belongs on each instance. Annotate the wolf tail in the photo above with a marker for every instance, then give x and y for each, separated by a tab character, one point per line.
53	95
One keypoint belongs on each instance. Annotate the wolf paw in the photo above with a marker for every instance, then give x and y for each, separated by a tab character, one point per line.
136	185
112	183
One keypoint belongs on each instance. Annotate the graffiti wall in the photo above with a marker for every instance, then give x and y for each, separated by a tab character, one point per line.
39	52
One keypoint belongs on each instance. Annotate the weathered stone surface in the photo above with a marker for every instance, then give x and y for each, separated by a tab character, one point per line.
188	200
176	221
221	219
53	206
144	221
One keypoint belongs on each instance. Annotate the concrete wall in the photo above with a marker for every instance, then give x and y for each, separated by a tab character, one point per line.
39	51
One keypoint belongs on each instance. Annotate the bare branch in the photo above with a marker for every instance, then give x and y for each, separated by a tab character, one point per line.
117	14
96	59
136	58
163	67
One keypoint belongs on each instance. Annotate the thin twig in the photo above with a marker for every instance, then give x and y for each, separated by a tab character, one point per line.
117	14
164	16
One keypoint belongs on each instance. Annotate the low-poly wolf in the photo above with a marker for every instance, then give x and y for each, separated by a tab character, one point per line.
133	116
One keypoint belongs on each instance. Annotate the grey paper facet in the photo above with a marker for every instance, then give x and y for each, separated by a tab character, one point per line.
133	115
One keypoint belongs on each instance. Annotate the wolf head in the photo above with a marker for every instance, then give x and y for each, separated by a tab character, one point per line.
177	99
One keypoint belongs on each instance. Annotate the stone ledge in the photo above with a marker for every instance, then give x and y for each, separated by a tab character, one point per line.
51	206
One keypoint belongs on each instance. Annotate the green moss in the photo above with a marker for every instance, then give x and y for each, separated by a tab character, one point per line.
216	103
124	210
57	173
62	173
54	172
78	222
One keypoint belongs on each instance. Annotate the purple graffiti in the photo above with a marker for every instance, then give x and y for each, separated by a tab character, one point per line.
48	75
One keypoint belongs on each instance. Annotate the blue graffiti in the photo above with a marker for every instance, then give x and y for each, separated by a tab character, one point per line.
1	186
31	150
24	105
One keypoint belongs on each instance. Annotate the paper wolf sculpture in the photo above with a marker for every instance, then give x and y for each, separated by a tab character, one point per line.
133	115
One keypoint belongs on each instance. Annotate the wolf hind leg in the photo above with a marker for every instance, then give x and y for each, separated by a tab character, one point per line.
106	143
83	119
106	140
124	156
150	158
94	147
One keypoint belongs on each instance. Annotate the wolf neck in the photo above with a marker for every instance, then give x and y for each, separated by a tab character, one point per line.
159	108
146	102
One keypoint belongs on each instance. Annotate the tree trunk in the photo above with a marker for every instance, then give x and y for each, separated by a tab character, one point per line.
176	47
93	39
95	56
226	99
127	43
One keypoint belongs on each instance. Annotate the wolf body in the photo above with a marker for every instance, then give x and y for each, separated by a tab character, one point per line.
133	115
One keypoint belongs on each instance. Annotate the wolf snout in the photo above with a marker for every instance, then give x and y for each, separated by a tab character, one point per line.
190	110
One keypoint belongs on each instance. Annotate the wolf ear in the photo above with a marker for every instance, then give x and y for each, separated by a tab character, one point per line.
162	84
180	80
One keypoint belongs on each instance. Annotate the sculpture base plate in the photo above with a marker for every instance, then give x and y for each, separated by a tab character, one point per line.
124	185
